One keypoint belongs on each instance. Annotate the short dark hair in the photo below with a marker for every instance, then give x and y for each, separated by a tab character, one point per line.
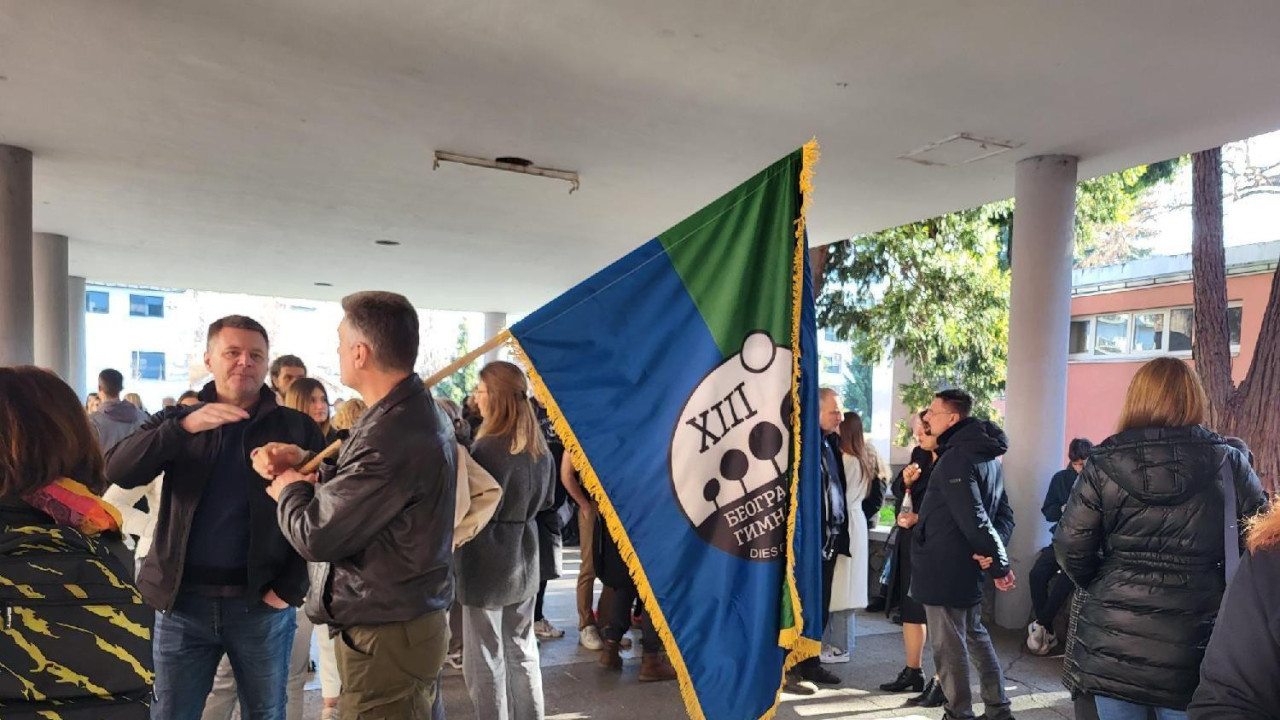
189	395
957	401
285	361
111	382
390	325
238	322
1079	449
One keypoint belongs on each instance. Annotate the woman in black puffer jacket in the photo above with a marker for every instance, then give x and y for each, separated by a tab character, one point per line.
1142	536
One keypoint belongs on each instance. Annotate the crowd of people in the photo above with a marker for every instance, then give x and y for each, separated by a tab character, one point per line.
405	533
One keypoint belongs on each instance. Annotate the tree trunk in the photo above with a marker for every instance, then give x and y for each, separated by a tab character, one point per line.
1211	345
1248	411
818	267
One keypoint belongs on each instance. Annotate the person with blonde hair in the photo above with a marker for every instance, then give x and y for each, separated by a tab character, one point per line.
1143	538
347	413
498	571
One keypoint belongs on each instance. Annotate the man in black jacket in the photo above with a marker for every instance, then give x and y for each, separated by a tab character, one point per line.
219	570
381	519
835	526
964	524
1050	588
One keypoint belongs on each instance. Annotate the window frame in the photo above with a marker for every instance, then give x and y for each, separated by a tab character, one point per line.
135	356
146	303
1090	356
106	305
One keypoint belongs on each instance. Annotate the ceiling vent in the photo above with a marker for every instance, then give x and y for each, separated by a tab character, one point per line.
958	149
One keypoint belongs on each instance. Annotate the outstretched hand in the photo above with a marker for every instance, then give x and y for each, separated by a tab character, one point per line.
274	458
212	415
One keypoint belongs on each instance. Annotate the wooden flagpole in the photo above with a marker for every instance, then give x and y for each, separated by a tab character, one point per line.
467	359
313	464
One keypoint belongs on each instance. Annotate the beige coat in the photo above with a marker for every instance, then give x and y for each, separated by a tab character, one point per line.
478	496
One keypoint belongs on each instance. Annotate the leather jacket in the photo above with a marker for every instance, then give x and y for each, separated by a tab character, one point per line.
379	523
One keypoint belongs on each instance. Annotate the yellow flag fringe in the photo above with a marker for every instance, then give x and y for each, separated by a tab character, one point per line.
801	648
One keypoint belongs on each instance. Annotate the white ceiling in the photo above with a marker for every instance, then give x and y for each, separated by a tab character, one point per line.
263	146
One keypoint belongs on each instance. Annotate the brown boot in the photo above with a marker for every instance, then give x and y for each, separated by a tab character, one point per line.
655	667
609	656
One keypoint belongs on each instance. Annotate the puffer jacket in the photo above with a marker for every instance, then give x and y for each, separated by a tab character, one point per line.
1142	535
965	512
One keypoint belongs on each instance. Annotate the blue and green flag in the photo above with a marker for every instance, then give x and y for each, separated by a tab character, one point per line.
683	381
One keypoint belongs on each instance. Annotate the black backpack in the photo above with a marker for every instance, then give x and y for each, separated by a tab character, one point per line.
75	635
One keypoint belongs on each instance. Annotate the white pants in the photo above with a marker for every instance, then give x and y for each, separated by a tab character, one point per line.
500	662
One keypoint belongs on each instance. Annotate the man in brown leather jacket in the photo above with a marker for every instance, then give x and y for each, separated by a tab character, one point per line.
380	521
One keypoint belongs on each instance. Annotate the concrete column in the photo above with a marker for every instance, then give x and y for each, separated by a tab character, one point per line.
899	414
77	360
16	315
494	323
50	291
1039	323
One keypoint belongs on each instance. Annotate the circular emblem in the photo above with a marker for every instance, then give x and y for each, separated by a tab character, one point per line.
731	452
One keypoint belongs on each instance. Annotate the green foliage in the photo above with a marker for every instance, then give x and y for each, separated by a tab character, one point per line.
937	291
457	386
857	389
934	290
1109	201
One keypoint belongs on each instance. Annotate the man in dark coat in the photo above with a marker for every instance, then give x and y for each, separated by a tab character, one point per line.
1050	588
964	524
835	524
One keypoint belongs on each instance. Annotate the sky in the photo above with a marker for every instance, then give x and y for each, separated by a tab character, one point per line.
1254	219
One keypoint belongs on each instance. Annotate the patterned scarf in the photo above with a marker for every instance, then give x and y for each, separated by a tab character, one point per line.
71	503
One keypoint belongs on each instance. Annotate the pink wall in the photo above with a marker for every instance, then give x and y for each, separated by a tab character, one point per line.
1096	390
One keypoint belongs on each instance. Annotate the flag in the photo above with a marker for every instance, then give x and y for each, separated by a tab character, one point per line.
682	379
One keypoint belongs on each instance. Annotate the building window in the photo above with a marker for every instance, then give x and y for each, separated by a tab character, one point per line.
1124	336
1079	342
146	306
1180	330
148	365
1111	334
97	302
830	335
832	364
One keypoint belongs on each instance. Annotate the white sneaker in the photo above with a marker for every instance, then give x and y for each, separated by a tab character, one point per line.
833	656
454	660
589	638
1036	638
1050	642
544	630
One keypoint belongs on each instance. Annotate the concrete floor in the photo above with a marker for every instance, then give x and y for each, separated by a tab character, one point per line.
576	688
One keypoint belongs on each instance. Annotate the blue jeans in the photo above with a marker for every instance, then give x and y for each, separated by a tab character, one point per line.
191	639
1112	709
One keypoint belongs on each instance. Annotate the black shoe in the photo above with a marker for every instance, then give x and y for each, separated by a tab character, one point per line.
877	604
932	696
818	674
896	618
928	690
909	680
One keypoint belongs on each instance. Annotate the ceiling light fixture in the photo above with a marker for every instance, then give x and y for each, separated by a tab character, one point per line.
958	149
324	284
386	243
509	164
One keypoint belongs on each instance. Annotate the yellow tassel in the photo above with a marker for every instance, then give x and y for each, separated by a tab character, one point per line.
800	648
592	483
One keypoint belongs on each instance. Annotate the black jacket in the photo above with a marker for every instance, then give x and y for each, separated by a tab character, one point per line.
835	529
380	523
162	446
1238	675
1059	492
1142	536
965	512
900	537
